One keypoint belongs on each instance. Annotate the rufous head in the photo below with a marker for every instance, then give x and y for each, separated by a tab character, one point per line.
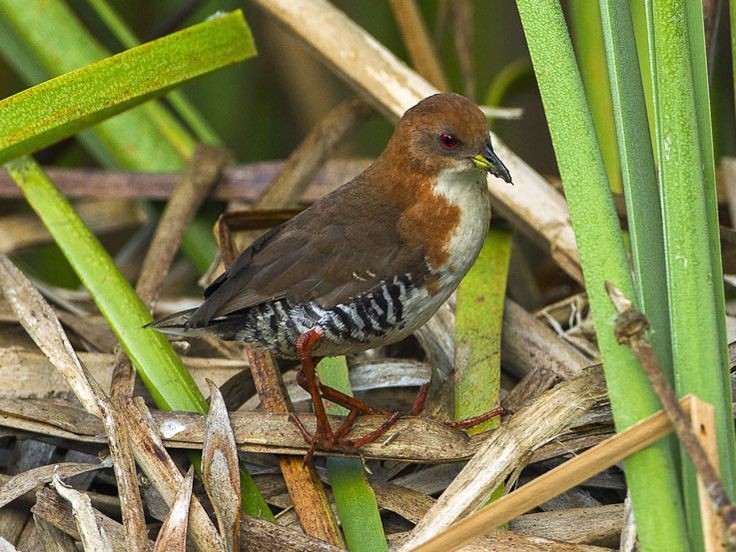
446	132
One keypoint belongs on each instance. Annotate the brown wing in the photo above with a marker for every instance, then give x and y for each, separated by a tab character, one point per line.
342	246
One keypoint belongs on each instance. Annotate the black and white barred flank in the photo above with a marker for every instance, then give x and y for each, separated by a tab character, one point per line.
368	320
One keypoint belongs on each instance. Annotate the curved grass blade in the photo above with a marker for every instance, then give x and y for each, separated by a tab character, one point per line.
61	107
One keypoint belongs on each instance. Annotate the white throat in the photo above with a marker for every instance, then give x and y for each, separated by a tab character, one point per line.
468	190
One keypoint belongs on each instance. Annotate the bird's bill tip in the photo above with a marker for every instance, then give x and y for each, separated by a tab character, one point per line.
489	161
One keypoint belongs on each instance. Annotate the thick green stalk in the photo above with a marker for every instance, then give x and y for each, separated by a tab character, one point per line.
638	173
651	473
585	20
687	189
355	500
479	314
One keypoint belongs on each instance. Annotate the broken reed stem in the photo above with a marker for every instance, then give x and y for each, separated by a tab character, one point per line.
703	422
631	328
202	174
552	483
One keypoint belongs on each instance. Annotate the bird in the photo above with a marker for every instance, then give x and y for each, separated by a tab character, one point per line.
367	264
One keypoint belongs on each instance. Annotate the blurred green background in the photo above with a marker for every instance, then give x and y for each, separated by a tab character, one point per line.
262	108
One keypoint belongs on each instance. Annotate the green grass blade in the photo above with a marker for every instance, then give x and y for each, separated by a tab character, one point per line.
189	114
479	314
355	500
149	351
638	173
585	20
690	225
651	473
57	39
61	107
642	36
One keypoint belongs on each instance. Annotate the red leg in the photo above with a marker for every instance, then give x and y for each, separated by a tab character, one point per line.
347	425
308	437
340	398
475	420
375	434
324	435
304	346
421	397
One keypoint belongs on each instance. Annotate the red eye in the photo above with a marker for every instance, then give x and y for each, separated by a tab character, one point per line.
448	140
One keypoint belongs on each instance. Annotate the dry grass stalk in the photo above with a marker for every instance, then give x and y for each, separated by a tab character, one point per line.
241	182
702	422
172	537
508	449
58	512
259	534
51	538
28	374
100	216
196	183
26	454
528	344
599	525
506	541
307	159
220	470
411	505
556	481
418	44
164	474
461	12
420	439
92	534
28	480
44	327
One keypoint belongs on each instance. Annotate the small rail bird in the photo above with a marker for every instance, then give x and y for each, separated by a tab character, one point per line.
367	264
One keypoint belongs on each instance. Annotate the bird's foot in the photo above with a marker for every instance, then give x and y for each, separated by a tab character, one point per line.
416	410
476	420
337	440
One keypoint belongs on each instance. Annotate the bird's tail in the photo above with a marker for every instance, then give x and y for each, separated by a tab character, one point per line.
232	327
177	324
